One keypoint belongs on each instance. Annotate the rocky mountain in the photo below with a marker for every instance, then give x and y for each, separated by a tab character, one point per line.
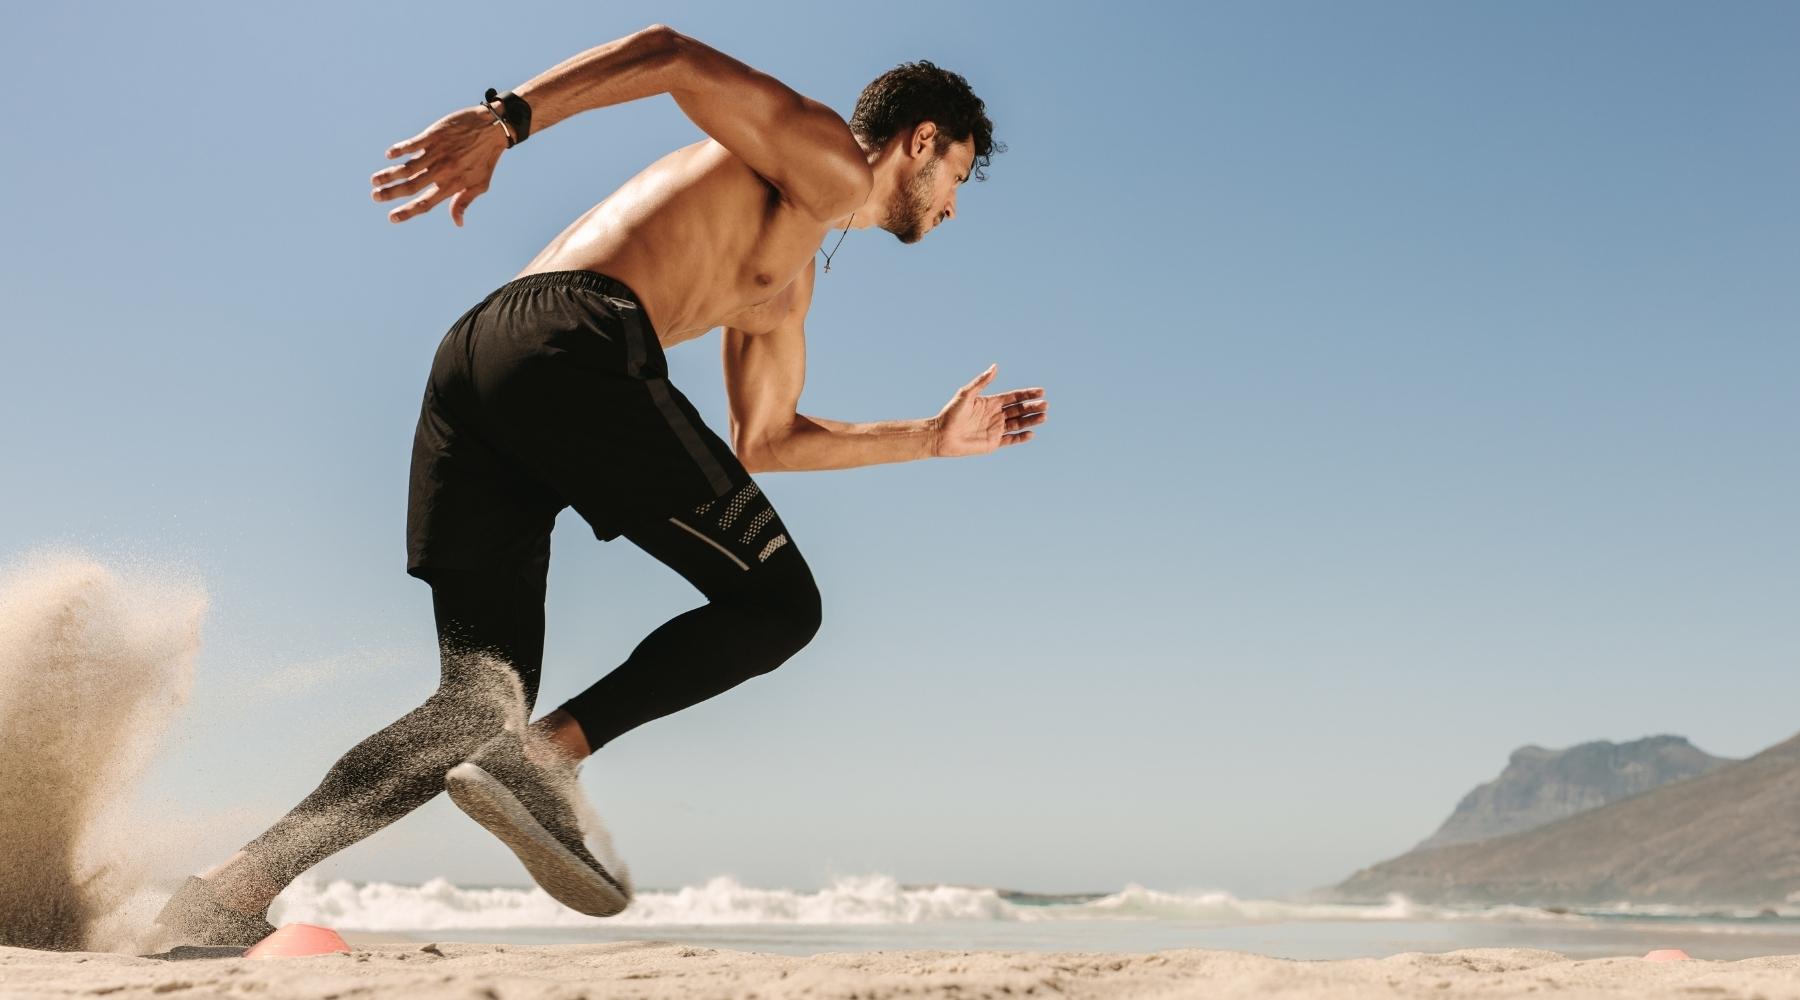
1540	786
1731	836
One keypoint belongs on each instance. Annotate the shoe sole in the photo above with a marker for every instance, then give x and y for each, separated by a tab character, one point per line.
555	868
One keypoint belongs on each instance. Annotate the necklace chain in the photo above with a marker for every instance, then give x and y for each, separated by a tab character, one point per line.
839	243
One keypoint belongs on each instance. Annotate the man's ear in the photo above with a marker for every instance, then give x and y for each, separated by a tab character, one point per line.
924	139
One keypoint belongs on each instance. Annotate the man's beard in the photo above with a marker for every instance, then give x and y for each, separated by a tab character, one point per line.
907	207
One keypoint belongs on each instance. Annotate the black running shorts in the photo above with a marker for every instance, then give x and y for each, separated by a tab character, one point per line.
552	392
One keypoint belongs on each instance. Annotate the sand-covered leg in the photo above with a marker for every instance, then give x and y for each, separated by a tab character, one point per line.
382	778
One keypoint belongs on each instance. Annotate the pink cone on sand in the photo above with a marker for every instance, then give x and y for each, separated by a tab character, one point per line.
1666	955
294	940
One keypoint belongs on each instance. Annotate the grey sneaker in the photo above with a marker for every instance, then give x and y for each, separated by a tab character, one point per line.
200	919
533	810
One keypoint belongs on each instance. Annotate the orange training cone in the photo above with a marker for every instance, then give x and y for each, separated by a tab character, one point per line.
293	940
1666	955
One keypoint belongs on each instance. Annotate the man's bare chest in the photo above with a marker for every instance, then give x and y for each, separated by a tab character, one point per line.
764	316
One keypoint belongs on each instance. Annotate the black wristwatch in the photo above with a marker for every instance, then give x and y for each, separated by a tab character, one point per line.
514	112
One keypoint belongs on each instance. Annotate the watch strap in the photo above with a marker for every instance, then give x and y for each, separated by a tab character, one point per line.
514	111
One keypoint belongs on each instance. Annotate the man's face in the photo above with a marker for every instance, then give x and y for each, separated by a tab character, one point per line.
918	205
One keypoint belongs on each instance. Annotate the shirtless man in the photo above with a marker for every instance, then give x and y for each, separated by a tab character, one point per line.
553	392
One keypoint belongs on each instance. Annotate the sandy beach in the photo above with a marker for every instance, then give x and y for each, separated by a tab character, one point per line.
659	969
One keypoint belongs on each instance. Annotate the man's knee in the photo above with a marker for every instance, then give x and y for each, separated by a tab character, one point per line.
808	613
477	693
789	603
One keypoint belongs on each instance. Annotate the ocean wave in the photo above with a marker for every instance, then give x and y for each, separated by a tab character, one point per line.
439	905
1137	902
858	900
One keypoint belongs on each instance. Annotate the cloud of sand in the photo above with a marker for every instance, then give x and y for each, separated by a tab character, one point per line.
93	666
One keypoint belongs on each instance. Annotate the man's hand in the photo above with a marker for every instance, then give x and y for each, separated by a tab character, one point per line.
456	157
973	424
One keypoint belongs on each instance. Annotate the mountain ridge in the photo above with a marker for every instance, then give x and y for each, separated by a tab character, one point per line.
1728	836
1541	785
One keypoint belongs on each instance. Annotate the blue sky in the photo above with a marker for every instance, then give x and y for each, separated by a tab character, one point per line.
1421	377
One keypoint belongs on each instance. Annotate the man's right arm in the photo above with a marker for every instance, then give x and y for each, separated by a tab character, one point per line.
764	373
798	145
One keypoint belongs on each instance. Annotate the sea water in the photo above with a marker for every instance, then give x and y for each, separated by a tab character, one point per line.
877	913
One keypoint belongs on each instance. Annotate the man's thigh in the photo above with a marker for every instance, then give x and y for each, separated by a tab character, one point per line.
722	544
622	450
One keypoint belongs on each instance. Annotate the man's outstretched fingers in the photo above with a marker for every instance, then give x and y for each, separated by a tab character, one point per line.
1019	438
1031	419
417	206
412	145
397	172
405	188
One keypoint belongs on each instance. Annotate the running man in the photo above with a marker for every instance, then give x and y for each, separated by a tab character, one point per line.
553	392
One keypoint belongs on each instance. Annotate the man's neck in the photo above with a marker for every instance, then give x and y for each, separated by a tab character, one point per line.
873	211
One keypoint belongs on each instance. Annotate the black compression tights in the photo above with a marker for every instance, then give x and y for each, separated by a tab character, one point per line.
762	607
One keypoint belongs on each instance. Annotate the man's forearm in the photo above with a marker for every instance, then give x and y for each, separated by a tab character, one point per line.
812	443
636	66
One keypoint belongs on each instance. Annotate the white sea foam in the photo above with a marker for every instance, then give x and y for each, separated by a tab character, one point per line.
862	900
439	905
1137	902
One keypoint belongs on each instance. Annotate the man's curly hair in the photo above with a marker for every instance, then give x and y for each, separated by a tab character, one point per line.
916	92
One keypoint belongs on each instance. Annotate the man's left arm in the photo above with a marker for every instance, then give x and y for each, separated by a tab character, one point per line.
764	374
